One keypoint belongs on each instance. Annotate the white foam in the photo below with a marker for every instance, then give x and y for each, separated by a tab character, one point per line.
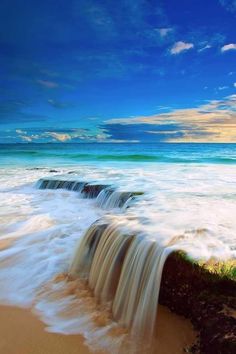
190	206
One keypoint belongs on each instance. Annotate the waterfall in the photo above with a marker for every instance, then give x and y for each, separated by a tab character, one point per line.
110	198
84	255
107	197
88	190
136	300
46	183
125	270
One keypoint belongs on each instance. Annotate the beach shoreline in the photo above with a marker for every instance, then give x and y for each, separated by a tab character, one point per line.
22	332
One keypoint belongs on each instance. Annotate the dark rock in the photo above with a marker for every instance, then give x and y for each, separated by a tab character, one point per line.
92	190
207	299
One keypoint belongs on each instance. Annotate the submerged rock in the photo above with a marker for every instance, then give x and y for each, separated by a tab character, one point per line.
53	171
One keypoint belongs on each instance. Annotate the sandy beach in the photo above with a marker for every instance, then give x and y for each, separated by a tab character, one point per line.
23	333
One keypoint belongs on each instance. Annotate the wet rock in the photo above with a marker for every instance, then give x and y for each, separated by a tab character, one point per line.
208	299
35	168
92	190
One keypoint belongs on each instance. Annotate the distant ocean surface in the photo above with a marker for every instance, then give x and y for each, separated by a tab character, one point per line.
68	153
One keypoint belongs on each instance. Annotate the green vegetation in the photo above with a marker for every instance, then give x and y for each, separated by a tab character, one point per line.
223	269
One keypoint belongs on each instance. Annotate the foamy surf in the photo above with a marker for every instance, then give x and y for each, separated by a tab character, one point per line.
46	228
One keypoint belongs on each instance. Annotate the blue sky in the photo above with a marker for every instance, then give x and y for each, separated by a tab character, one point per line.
86	70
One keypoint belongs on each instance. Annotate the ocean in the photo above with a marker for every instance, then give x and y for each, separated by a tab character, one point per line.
173	196
104	153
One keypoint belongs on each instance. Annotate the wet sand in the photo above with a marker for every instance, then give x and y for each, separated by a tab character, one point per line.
174	333
23	333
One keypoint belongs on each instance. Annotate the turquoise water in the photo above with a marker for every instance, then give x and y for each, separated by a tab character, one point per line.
61	153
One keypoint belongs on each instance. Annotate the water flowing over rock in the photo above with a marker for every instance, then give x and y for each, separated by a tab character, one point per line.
110	198
125	270
122	267
107	197
60	184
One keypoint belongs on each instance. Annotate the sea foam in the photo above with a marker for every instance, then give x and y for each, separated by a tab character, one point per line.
182	207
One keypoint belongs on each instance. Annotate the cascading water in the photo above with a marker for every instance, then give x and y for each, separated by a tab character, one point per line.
60	184
110	198
122	268
107	197
125	270
83	258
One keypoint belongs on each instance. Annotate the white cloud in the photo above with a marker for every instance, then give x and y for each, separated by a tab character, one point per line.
235	84
180	46
163	32
100	137
222	88
208	46
59	136
19	131
23	135
26	138
226	47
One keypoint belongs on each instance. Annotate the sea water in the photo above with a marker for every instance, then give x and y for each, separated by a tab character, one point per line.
104	153
188	202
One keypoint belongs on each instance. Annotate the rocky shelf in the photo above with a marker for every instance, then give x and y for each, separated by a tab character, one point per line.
207	297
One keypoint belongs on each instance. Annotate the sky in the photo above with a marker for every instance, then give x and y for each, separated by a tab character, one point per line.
117	71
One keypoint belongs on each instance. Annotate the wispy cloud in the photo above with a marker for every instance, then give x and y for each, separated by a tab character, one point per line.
62	135
59	136
226	47
229	5
180	47
98	135
208	46
163	32
26	138
47	84
223	88
58	104
19	131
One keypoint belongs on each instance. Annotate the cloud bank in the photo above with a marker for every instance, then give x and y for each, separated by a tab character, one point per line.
214	121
